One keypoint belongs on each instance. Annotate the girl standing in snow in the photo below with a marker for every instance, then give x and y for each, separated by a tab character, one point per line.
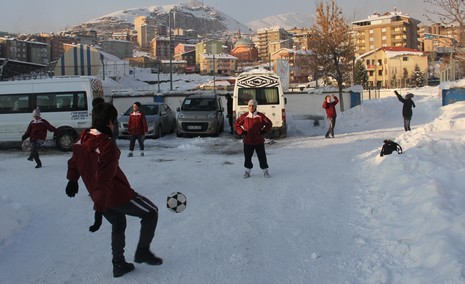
37	131
406	109
253	125
331	114
137	127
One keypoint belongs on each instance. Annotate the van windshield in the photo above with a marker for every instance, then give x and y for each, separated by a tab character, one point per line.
199	104
264	96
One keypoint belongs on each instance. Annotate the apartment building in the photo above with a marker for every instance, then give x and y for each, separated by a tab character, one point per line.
385	30
146	31
207	47
223	64
270	40
392	67
26	51
300	66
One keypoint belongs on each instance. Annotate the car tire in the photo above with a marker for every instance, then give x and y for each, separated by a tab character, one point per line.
65	141
159	133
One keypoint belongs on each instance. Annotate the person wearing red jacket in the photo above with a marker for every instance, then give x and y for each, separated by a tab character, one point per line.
253	125
95	159
331	114
137	128
37	133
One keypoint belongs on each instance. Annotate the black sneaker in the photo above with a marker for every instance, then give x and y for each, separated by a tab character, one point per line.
39	166
121	267
145	255
29	159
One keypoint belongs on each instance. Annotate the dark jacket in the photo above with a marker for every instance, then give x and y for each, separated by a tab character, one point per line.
137	124
407	108
331	108
37	130
95	160
253	126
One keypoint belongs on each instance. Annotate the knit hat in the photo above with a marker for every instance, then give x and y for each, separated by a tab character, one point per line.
36	112
252	103
409	96
137	104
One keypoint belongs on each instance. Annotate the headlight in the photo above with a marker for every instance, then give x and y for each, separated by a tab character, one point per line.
212	115
181	115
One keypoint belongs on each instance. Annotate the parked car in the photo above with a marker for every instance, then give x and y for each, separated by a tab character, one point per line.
160	120
200	114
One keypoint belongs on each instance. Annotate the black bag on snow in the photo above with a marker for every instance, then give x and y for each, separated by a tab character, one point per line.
389	147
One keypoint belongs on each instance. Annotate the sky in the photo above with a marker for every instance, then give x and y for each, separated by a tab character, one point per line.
30	16
333	211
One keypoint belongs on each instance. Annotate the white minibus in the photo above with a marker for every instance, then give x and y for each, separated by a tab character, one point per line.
65	102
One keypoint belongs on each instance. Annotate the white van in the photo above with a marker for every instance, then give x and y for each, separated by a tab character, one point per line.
265	87
64	102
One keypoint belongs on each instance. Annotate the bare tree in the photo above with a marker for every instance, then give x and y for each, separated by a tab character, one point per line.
332	47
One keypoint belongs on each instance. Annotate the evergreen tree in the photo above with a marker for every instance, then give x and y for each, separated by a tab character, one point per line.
417	77
360	74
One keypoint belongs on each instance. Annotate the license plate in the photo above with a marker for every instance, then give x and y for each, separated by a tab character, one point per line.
194	127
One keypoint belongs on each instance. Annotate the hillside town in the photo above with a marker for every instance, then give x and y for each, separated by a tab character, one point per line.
393	49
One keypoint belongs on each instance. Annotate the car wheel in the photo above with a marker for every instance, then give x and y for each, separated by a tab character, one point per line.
159	133
65	141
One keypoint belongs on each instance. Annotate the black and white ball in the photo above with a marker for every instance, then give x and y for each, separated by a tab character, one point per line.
176	202
26	146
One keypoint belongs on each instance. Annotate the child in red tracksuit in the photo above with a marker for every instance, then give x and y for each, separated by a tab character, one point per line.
37	131
137	127
253	125
331	114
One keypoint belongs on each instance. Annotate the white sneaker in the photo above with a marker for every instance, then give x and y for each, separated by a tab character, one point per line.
266	173
246	174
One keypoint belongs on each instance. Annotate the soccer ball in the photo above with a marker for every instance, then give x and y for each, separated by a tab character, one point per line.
26	146
176	202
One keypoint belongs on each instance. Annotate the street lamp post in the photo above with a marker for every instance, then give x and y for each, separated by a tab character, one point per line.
214	77
170	52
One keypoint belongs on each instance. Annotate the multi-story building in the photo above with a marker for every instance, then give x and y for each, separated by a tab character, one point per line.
207	47
223	64
182	48
392	67
119	48
146	31
270	40
26	51
300	66
385	30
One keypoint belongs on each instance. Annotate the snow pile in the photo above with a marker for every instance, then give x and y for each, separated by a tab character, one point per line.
333	211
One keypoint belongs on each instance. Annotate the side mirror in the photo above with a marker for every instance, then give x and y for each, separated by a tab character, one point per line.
178	109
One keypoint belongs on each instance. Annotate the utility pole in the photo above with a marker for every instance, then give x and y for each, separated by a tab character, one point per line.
170	52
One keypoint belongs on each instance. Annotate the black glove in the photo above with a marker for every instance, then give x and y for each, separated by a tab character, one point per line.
72	188
97	222
24	137
395	92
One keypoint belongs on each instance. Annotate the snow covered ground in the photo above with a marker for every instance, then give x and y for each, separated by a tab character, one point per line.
334	211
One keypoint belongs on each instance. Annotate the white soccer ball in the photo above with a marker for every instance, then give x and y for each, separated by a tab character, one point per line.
176	202
26	146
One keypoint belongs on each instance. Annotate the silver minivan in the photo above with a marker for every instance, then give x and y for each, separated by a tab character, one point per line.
199	115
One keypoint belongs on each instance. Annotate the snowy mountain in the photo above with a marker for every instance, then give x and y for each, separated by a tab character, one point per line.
286	20
201	18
